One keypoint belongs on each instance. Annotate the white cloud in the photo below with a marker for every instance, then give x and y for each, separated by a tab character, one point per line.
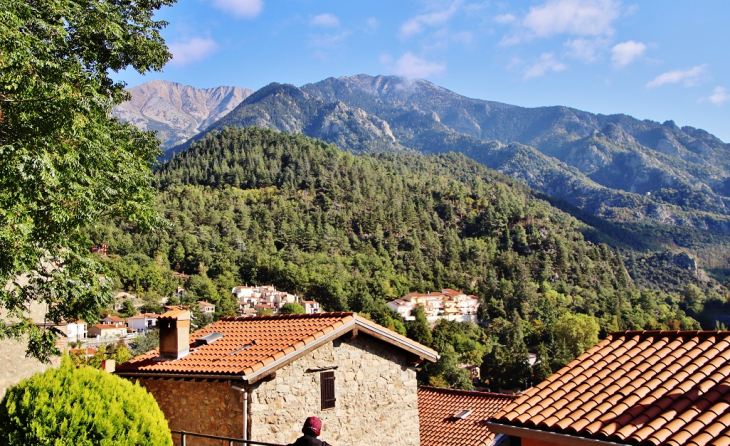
410	65
192	50
586	50
688	77
505	18
719	96
416	24
325	20
372	23
545	64
624	53
576	17
246	9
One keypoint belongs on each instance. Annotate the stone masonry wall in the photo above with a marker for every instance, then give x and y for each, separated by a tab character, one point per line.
377	402
205	407
14	365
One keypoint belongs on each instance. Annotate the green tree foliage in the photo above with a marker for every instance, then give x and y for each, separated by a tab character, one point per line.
64	161
255	206
577	332
128	309
81	406
418	329
292	308
145	342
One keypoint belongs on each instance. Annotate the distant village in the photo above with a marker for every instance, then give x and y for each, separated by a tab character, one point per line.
258	300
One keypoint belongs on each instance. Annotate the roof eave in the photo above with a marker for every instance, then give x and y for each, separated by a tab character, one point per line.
550	437
268	369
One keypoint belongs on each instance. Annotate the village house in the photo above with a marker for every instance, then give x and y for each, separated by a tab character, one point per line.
206	307
75	331
143	322
458	417
267	297
633	388
85	353
105	332
182	276
121	296
113	320
448	304
259	378
311	306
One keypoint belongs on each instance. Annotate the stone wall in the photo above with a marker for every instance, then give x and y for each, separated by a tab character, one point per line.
203	406
377	402
15	366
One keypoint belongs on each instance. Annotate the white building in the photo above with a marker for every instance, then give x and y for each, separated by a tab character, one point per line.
311	307
75	331
264	296
447	304
141	322
206	307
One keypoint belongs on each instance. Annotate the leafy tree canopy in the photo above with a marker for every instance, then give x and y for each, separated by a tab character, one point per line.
292	308
81	406
64	161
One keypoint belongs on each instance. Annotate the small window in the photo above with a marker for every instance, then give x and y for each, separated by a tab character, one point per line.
327	383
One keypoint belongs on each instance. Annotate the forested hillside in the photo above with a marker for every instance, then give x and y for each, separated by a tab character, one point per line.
353	232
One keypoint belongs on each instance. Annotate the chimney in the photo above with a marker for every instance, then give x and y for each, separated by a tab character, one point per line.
174	334
108	365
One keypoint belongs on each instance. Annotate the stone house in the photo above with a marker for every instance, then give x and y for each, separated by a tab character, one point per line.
259	378
634	388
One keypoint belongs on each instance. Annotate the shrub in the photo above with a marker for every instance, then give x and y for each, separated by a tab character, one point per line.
84	406
292	308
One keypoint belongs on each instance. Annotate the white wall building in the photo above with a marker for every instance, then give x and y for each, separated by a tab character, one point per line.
141	322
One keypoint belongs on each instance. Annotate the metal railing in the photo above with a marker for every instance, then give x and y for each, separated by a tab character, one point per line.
231	441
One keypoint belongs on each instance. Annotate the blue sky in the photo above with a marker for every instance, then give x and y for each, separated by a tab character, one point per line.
654	60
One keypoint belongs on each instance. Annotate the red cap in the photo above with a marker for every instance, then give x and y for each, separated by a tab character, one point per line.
313	426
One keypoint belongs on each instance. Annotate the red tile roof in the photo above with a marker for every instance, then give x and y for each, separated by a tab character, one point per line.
176	314
252	345
438	426
145	316
108	327
645	388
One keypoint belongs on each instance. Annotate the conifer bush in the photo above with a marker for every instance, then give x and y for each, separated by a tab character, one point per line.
84	406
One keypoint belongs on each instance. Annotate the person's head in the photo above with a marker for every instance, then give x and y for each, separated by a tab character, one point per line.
313	426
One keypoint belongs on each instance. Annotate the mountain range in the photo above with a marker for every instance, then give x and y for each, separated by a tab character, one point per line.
651	176
178	112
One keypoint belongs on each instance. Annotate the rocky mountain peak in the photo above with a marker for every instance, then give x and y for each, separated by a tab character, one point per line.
177	112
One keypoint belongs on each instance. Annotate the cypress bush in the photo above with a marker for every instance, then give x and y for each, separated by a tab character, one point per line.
84	406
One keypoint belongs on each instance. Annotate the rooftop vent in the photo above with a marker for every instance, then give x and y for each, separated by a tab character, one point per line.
462	414
209	338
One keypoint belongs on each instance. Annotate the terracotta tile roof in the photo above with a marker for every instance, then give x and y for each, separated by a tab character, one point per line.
207	304
108	327
146	315
251	344
438	426
647	388
177	313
